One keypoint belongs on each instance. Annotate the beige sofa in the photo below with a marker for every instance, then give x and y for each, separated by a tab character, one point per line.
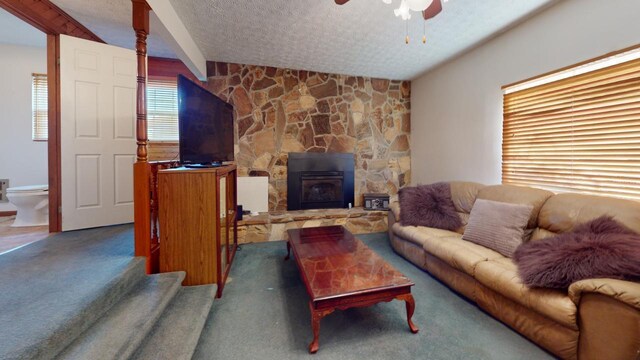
595	319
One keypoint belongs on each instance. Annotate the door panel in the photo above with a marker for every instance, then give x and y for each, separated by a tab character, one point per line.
123	172
98	112
125	113
88	181
86	119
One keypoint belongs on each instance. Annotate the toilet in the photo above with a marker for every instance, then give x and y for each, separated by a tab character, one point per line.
32	203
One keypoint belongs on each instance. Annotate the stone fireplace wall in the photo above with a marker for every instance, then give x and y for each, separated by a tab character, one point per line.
281	110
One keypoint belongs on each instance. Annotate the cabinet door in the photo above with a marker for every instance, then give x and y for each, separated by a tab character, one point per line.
224	228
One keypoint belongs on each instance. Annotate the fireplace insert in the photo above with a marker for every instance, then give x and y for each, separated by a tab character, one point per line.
320	180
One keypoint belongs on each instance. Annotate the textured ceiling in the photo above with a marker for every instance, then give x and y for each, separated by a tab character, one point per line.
17	32
362	37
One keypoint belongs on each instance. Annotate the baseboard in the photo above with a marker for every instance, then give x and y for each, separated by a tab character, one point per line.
8	213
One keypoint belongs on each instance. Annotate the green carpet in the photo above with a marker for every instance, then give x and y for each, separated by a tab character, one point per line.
264	314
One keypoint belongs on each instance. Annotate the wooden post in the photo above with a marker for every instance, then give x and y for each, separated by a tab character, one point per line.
53	143
141	173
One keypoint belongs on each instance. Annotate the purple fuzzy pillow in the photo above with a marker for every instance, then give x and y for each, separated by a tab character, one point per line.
601	248
429	205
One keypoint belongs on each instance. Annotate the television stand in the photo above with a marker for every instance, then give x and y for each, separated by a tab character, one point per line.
214	164
198	226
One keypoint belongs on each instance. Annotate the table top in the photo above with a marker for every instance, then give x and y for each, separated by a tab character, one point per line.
334	263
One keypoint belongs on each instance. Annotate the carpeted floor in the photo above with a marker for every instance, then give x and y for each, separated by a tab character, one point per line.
51	281
264	315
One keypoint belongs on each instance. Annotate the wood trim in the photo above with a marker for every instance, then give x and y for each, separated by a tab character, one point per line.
48	18
142	211
8	213
141	26
159	68
613	53
54	163
141	169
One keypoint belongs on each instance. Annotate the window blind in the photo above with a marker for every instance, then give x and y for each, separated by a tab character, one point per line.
39	108
162	110
578	134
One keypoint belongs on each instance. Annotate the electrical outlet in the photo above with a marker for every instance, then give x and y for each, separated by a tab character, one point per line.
4	185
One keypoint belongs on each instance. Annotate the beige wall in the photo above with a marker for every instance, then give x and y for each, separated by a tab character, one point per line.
456	114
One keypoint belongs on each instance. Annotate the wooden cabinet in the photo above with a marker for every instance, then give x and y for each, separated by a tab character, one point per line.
198	227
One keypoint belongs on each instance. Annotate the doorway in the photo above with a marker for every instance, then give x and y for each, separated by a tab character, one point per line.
23	140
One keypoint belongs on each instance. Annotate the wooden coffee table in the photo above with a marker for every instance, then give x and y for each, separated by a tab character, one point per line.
341	272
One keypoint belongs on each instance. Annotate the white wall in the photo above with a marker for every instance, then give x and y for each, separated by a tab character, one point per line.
456	109
22	160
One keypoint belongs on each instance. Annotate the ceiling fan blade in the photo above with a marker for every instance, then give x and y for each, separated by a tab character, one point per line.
341	2
434	9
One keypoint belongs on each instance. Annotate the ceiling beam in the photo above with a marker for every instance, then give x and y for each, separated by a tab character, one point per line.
175	34
48	18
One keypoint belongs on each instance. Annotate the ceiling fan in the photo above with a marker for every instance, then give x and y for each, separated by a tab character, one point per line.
433	9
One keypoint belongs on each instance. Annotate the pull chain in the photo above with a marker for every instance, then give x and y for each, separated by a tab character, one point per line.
406	27
424	31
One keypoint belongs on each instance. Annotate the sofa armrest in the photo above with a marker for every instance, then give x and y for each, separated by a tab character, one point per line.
627	292
608	318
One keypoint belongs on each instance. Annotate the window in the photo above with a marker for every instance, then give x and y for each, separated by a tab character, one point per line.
577	129
162	109
39	108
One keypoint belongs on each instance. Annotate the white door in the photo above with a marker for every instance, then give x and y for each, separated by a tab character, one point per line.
98	143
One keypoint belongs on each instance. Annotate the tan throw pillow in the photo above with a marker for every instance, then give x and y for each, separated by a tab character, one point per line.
497	225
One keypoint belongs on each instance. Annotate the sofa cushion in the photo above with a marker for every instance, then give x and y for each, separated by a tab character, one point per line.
429	205
501	275
564	211
601	248
497	225
419	234
540	233
459	254
463	194
517	195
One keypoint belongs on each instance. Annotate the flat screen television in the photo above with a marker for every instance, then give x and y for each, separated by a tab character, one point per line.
205	125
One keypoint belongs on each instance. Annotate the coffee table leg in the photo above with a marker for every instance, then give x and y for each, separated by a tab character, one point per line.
288	250
316	316
411	306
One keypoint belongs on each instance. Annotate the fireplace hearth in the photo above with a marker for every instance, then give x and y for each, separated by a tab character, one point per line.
320	180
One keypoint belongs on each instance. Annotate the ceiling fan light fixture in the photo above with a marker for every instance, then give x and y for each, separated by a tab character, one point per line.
403	11
418	5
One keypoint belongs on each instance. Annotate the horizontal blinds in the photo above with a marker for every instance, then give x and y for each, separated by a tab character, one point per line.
39	107
162	110
580	134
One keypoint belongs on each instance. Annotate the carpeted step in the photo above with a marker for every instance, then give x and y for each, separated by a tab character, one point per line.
120	331
176	335
47	322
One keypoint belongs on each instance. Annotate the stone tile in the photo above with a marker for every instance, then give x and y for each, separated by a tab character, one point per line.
263	83
401	143
272	226
330	88
264	142
321	124
380	85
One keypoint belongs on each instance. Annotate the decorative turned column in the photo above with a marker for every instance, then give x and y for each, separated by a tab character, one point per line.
141	169
141	27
